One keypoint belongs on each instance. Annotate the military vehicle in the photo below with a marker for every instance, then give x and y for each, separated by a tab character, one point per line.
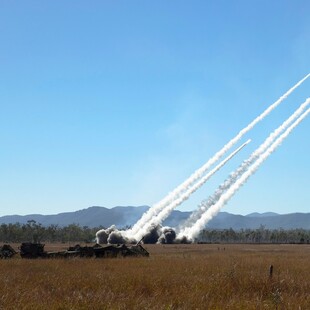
36	250
120	250
32	250
6	251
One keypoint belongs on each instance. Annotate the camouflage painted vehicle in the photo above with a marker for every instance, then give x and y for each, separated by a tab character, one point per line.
119	250
75	251
32	250
36	250
110	250
138	250
82	251
6	251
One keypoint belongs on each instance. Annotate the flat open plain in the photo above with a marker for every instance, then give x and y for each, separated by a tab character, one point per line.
194	276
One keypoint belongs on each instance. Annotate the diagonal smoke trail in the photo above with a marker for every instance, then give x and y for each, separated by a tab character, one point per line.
163	214
205	205
192	232
155	209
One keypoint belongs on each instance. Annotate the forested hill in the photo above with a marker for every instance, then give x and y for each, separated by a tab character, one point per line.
126	216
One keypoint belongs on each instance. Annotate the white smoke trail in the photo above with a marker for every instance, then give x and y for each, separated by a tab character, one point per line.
205	205
192	232
163	214
154	210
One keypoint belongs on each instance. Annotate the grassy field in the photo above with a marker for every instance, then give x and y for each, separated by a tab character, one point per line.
173	277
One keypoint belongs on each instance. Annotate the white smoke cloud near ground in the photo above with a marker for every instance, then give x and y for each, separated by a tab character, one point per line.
102	235
205	205
163	214
192	232
155	209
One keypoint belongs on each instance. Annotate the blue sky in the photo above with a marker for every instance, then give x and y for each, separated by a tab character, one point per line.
117	102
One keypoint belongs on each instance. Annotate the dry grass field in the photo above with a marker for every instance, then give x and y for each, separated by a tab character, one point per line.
173	277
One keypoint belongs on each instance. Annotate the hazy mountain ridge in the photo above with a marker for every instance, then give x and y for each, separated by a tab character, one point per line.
125	216
265	214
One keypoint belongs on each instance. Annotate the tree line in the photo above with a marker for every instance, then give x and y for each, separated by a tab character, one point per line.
36	232
260	235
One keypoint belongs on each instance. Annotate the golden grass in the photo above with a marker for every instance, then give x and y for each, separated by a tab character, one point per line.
173	277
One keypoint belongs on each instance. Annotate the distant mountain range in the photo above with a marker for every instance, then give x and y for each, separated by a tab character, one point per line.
125	216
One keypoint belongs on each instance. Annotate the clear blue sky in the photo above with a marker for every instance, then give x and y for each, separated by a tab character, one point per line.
117	102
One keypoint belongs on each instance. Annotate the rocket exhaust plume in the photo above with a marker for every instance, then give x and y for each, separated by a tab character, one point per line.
162	215
102	235
242	168
168	236
198	173
192	232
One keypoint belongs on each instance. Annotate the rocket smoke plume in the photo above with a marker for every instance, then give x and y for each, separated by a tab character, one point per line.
192	232
154	210
205	205
163	214
102	235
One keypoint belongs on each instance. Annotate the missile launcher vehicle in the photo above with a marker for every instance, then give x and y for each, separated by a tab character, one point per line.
36	250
